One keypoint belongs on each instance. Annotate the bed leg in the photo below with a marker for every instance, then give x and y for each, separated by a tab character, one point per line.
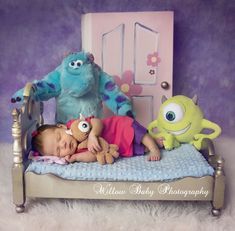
18	186
216	212
219	188
20	208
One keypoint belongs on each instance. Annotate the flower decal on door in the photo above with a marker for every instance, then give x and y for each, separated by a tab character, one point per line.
127	85
153	59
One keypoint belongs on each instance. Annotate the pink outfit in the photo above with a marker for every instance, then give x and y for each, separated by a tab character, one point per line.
118	130
122	131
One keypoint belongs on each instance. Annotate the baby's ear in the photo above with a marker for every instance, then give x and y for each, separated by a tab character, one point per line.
61	126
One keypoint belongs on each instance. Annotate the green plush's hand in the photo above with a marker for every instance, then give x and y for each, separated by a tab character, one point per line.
197	142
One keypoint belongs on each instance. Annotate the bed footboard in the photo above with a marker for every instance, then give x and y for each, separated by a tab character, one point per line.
25	120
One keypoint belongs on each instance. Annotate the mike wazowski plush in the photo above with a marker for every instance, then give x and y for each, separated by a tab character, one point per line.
180	120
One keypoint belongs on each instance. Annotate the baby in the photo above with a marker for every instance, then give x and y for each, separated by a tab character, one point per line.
128	134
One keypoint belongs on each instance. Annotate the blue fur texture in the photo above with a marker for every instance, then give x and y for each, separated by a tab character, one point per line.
79	86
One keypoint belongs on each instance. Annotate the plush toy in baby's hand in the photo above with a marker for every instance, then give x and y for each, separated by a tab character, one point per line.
80	129
180	120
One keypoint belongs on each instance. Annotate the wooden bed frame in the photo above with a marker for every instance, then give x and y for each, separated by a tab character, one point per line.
29	184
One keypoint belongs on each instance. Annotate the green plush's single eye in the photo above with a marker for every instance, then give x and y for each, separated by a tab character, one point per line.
170	115
173	112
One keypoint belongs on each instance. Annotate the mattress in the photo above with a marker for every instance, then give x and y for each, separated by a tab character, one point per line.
184	161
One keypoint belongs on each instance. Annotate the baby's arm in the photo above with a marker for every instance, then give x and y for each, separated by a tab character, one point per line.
96	130
81	157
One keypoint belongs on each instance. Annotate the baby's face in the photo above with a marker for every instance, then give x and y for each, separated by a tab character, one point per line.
58	143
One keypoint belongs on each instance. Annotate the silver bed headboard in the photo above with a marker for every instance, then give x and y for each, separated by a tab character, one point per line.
25	120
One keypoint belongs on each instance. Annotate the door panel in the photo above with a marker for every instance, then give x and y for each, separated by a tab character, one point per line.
110	38
145	41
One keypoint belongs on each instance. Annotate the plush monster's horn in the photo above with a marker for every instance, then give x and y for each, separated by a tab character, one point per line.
164	98
82	117
195	99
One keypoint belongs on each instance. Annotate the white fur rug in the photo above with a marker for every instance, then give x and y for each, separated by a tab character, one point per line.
53	214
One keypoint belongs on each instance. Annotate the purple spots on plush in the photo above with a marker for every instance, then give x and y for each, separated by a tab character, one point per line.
39	84
109	86
105	97
130	114
120	99
51	85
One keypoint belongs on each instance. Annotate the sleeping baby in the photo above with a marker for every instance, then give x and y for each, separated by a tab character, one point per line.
131	138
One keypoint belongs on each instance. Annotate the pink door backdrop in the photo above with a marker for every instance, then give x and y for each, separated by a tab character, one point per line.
137	49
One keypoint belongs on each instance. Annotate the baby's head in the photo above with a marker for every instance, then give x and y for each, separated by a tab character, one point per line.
52	140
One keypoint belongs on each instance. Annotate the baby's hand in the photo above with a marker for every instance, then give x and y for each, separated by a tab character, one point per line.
70	158
93	143
160	142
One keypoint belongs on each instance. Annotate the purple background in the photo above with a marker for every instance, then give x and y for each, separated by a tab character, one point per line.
34	35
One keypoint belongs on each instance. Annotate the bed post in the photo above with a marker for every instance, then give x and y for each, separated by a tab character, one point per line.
217	162
18	167
219	187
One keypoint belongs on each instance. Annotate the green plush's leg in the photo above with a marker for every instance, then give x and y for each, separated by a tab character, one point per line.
168	141
176	143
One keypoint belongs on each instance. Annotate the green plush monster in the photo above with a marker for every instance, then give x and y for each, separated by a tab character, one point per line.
180	120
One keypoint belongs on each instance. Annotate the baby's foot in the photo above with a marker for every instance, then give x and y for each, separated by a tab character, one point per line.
154	155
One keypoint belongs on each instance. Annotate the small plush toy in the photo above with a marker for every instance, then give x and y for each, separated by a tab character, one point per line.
80	129
180	120
79	86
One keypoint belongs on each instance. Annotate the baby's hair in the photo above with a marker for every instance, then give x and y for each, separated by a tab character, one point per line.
36	142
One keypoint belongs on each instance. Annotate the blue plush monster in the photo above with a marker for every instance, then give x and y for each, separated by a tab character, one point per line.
79	86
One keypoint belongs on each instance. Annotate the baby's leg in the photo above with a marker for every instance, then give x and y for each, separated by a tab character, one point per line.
149	143
81	157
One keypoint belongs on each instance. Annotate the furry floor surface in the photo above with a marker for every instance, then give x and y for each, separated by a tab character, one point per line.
52	214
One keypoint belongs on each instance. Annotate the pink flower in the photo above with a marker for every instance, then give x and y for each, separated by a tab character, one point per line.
126	84
153	59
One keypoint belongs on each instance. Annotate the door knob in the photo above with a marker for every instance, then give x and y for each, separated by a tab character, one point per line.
165	85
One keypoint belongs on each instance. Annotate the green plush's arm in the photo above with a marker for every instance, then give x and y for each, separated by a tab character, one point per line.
199	137
150	128
213	126
169	140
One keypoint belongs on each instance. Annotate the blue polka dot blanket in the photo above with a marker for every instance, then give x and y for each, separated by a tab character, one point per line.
184	161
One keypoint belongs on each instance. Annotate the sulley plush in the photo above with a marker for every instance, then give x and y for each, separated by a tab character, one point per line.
79	86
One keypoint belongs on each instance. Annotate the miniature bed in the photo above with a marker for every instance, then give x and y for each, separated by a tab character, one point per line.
182	174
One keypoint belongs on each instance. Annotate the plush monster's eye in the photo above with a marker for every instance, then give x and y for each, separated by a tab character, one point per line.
84	126
72	63
79	63
173	112
76	64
